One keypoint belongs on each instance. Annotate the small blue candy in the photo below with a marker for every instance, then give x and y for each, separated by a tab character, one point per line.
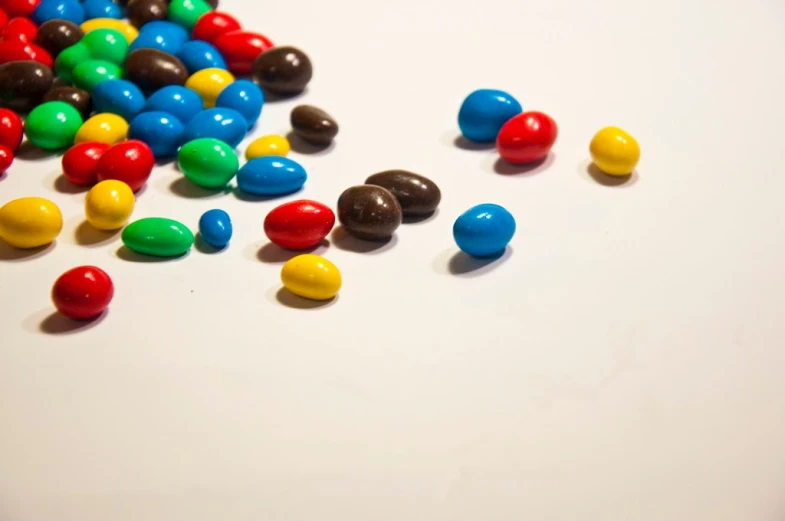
215	227
483	113
182	102
484	230
226	125
197	55
271	175
164	36
245	97
119	97
70	10
101	9
160	130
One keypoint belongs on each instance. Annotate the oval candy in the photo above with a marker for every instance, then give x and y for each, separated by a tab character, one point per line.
245	97
283	70
215	227
119	97
11	129
14	50
70	10
88	74
80	162
104	128
53	125
23	84
313	125
79	99
159	130
615	151
224	124
129	31
109	204
208	162
197	55
30	222
141	12
57	35
209	83
299	225
158	236
164	36
369	212
312	277
270	145
131	162
83	292
106	44
271	175
416	194
187	12
484	112
152	69
69	58
101	9
179	101
484	230
213	24
241	48
527	137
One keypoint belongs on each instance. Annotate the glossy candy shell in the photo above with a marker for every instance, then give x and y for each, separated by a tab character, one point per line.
208	162
106	44
270	145
19	7
484	230
164	36
6	159
101	9
70	10
224	124
181	102
159	130
104	128
209	83
14	50
90	73
11	129
215	227
197	55
213	24
614	151
131	162
299	225
527	137
21	29
245	97
30	222
128	31
158	236
241	48
109	205
119	97
80	162
484	112
53	125
271	175
187	12
312	277
82	292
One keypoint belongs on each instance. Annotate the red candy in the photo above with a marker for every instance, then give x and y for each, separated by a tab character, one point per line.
527	137
81	161
6	158
82	292
3	22
213	24
130	162
240	49
10	129
15	50
299	225
20	7
20	29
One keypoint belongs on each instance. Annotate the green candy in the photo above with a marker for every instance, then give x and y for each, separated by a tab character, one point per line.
53	125
92	72
69	58
208	162
187	12
106	44
158	236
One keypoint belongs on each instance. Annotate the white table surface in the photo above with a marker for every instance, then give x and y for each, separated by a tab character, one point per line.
624	363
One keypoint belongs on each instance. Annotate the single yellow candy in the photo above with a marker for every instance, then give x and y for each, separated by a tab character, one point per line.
209	83
30	222
105	128
311	276
109	204
271	145
129	31
614	151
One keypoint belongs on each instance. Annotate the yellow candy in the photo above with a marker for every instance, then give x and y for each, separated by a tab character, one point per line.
209	83
109	204
272	145
30	222
104	128
129	31
614	151
311	276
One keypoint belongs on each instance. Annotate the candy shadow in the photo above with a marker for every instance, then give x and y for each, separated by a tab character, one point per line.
245	196
29	152
271	253
58	324
301	146
343	241
87	235
185	188
286	298
64	186
10	254
202	246
604	179
464	144
127	254
3	175
273	97
461	264
420	219
500	166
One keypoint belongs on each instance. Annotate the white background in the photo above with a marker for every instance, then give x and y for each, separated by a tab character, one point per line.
624	361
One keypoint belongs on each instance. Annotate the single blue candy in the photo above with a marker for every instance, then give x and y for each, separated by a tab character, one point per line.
226	125
101	9
182	102
271	175
215	227
197	55
160	130
119	97
70	10
164	36
484	230
245	97
483	113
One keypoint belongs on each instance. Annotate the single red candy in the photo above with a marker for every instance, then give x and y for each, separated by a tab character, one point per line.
80	162
82	292
6	158
3	22
11	129
131	162
20	7
15	50
21	29
213	24
299	225
527	137
241	48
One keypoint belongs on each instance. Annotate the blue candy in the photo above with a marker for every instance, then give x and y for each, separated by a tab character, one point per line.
227	125
119	97
483	113
245	97
197	55
164	36
484	230
271	175
70	10
160	130
101	9
182	102
215	227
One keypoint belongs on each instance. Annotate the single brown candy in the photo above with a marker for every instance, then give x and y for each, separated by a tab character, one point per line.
77	98
23	84
313	125
56	35
283	70
151	69
213	3
369	212
140	12
416	194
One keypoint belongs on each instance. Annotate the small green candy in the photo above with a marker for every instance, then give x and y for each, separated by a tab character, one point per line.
158	236
208	162
53	125
92	72
187	12
69	58
106	44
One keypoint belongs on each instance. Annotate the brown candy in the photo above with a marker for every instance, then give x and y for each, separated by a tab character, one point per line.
56	35
77	98
142	11
282	70
369	212
313	125
152	69
213	3
416	194
23	84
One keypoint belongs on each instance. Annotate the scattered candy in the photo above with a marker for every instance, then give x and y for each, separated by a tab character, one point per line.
90	73
70	10
484	112
241	48
214	24
270	145
158	236
271	175
104	128
527	137
53	125
80	162
181	102
152	69
614	151
484	230
245	97
131	162
416	194
219	123
160	130
299	225
164	36
109	204
209	83
119	97
197	55
140	12
208	162
6	158
129	31
83	292
30	222
313	125
11	129
215	227
283	70
187	12
57	35
312	277
106	44
369	212
80	99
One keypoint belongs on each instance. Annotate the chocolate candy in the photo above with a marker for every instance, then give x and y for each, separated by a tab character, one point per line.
213	3
77	98
152	69
142	11
369	212
416	194
23	84
313	125
283	70
56	35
